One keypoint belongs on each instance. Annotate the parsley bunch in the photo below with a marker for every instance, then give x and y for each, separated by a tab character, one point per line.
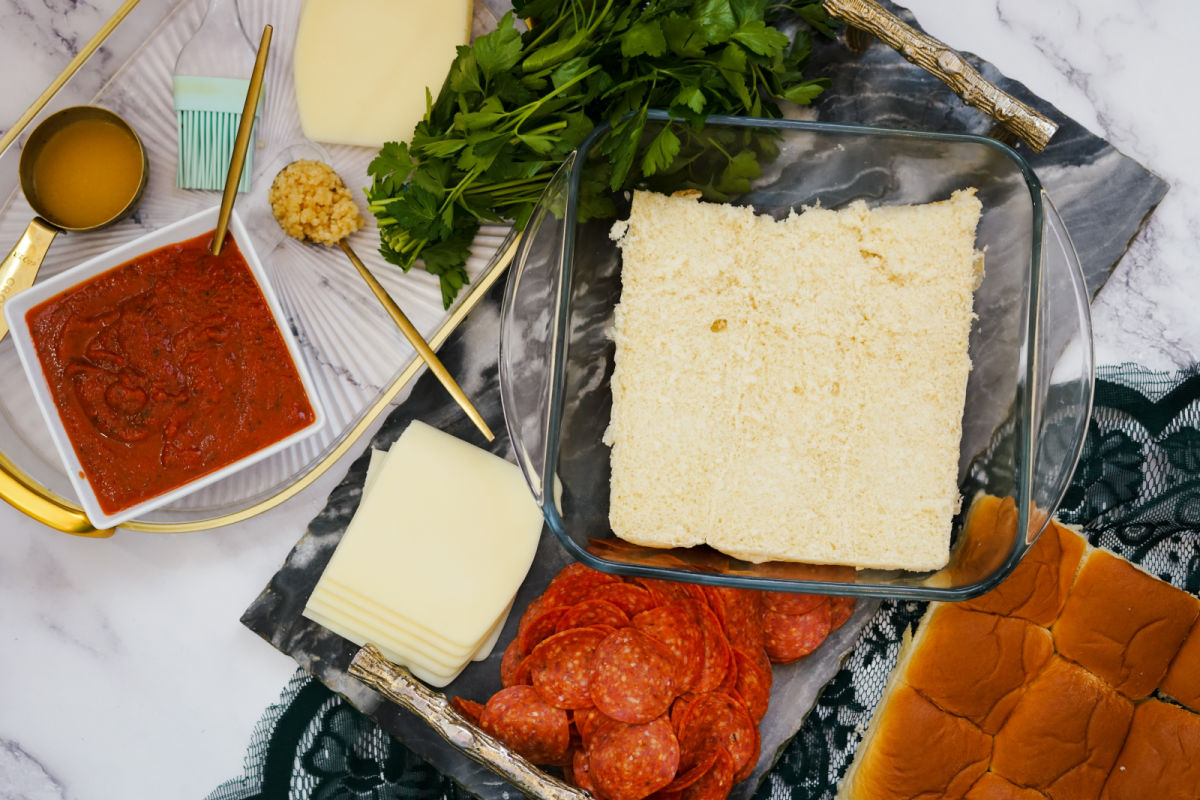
515	104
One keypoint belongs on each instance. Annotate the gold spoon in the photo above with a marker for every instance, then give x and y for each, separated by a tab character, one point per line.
242	140
311	203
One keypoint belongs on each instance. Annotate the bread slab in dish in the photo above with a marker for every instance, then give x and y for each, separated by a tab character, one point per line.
769	375
1123	624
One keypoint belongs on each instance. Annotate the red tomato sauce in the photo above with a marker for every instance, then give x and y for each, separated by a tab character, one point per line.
166	368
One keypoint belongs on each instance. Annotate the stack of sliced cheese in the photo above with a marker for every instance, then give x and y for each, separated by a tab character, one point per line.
429	566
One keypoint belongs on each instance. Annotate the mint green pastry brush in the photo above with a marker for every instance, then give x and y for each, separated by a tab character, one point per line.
211	76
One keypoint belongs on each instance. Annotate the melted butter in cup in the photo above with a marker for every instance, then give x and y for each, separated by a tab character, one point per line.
87	172
82	168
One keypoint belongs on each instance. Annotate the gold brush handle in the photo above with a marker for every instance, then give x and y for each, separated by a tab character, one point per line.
419	344
949	67
21	265
397	685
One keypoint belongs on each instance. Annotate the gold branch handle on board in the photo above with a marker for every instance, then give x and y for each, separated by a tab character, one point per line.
396	684
949	67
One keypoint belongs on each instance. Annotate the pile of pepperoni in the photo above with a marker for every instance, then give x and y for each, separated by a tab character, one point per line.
643	687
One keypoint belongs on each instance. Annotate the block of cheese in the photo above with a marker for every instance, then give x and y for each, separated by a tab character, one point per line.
772	374
429	565
361	67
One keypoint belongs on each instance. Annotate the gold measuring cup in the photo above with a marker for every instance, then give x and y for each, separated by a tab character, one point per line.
83	168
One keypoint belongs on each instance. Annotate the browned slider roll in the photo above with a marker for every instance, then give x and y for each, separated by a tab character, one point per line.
917	750
1182	682
976	665
992	787
1161	756
1064	734
1123	624
1037	589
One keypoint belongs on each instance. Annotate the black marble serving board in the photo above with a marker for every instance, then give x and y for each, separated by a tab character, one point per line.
1103	197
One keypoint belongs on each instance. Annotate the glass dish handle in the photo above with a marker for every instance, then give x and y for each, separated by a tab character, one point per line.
529	327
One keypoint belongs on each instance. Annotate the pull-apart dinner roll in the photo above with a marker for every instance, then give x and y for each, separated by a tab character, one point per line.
1123	624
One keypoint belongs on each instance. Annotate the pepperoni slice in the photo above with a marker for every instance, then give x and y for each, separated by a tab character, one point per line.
754	678
634	677
792	602
580	774
592	612
469	709
742	621
716	648
788	637
729	682
560	667
715	783
527	724
719	720
536	628
679	710
675	627
587	721
628	597
514	669
689	776
670	591
716	601
630	762
840	609
575	582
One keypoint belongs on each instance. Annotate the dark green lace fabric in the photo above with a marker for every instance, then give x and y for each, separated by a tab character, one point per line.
1136	492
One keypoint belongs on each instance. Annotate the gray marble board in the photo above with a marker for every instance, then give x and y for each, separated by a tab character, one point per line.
1103	196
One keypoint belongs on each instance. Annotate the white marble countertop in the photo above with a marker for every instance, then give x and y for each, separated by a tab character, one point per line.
123	669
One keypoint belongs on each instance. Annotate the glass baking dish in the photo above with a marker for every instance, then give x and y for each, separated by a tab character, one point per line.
1028	397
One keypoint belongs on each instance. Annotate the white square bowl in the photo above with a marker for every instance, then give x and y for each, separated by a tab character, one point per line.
16	310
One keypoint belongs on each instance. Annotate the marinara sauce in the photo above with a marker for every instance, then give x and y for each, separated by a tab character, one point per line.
166	368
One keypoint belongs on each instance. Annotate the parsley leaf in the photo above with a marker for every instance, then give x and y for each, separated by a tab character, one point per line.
516	102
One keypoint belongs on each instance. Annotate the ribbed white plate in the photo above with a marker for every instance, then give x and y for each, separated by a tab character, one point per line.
351	347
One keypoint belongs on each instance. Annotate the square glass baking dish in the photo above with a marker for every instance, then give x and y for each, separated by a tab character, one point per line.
1028	396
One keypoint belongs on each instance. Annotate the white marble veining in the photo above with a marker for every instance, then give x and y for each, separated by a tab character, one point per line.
123	669
1117	68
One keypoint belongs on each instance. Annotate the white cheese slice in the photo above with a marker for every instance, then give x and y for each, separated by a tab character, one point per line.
434	677
378	616
373	465
362	66
401	638
332	590
371	629
434	555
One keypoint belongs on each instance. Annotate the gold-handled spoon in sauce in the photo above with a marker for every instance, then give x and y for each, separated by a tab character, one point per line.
311	203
